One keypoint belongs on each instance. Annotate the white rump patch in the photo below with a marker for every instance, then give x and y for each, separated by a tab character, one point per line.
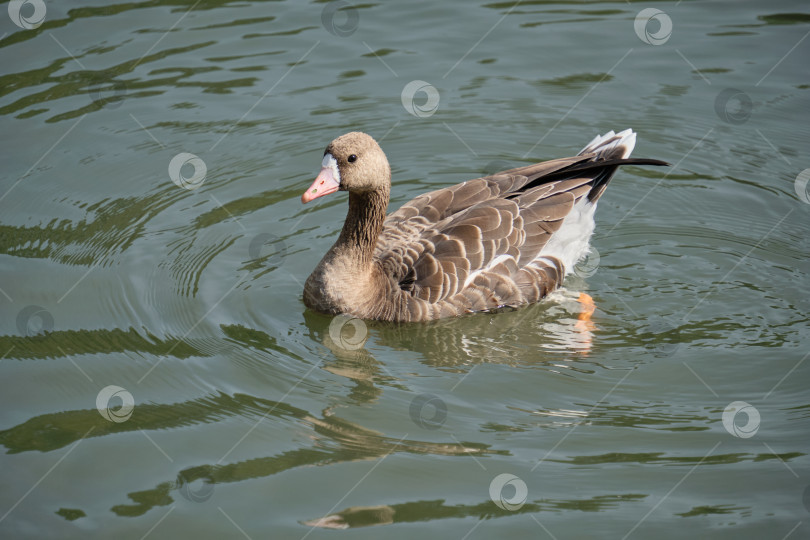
571	241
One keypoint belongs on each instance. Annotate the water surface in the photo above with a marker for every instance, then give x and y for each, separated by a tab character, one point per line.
248	418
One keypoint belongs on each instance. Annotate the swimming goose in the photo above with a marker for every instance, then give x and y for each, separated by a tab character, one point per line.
502	240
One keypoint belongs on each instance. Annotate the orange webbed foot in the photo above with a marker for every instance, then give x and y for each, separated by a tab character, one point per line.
585	324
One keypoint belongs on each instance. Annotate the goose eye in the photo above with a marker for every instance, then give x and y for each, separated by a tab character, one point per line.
352	158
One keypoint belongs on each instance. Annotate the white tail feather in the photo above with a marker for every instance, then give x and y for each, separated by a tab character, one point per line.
610	141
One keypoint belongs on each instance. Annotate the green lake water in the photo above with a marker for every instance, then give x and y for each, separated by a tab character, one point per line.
161	377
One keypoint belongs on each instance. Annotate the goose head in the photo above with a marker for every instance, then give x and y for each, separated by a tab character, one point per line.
353	162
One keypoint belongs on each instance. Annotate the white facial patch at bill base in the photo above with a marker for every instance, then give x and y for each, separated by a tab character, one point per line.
329	162
327	181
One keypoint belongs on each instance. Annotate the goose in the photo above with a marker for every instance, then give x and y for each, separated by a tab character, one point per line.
502	240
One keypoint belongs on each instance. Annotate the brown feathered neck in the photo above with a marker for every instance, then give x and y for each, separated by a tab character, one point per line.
363	225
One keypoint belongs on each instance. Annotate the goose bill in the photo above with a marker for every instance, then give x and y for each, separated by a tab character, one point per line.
325	183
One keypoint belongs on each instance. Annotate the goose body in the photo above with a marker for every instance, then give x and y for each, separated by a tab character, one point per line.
502	240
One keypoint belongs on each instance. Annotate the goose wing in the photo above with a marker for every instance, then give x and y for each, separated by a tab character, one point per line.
439	243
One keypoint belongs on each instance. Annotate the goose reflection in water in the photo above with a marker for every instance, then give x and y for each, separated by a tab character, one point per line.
562	324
